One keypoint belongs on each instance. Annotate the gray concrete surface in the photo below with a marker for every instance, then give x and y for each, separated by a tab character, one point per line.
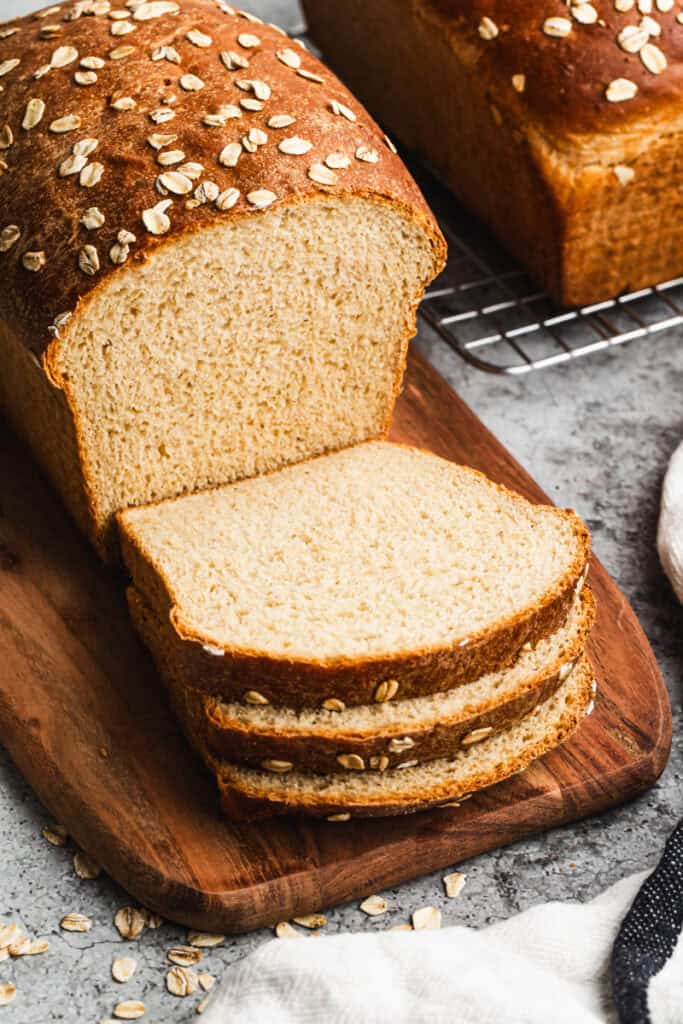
596	435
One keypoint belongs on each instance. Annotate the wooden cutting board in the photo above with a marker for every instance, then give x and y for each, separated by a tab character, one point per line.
85	719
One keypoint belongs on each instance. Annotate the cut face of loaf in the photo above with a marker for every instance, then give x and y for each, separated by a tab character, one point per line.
210	255
376	565
383	735
247	794
243	348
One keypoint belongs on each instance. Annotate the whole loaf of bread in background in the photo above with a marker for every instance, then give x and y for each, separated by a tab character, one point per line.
210	256
559	122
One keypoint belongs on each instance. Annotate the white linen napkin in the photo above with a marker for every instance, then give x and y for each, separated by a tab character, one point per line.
549	963
670	532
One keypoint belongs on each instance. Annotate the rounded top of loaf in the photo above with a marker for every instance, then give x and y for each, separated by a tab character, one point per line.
580	67
124	124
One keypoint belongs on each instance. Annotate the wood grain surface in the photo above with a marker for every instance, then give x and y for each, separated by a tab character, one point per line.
86	721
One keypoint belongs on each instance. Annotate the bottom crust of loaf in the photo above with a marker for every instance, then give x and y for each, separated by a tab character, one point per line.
249	795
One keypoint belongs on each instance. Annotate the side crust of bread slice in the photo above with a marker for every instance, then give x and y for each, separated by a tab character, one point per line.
248	795
382	735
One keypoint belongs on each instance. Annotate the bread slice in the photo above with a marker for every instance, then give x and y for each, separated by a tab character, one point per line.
380	564
247	794
383	735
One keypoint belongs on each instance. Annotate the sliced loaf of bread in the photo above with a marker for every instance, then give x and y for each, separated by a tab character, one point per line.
211	258
378	567
249	794
382	735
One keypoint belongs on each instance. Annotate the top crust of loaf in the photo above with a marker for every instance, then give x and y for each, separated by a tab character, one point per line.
165	55
569	61
296	680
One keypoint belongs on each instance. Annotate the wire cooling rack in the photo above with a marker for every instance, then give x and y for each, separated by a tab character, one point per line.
486	308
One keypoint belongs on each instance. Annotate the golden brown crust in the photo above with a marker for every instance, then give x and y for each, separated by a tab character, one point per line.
580	189
47	207
318	749
567	75
243	797
297	683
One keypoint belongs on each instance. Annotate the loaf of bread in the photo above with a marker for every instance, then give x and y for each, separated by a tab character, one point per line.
210	255
249	794
379	569
378	736
557	123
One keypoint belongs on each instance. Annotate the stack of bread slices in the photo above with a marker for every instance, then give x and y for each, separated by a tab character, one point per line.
367	633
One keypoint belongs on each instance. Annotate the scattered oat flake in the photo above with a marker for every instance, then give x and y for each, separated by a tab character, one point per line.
202	1005
487	29
63	56
281	121
476	736
33	114
181	981
153	920
227	199
92	218
295	146
130	1009
156	220
260	198
8	65
123	968
91	175
367	155
184	956
290	58
204	940
190	83
36	947
129	922
175	182
620	89
454	884
85	867
9	236
68	123
311	921
426	919
168	157
310	76
342	110
199	39
7	993
9	933
55	834
75	923
20	946
206	981
284	930
337	162
373	906
34	261
322	175
72	165
155	9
